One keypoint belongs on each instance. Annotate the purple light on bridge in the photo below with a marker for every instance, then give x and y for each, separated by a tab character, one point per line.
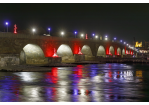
75	33
49	30
6	23
7	26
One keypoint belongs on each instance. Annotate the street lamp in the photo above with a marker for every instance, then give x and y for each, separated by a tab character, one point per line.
7	26
33	30
93	36
96	36
49	30
62	33
75	34
106	37
121	41
124	42
82	35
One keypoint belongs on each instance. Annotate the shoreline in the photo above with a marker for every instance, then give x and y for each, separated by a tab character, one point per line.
47	68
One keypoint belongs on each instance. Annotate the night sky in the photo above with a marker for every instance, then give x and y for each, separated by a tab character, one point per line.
123	21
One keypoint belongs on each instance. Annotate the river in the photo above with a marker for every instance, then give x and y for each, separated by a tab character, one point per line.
110	82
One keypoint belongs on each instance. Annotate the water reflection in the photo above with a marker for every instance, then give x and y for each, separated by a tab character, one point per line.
84	83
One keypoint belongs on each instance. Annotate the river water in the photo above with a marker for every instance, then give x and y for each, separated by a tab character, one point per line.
110	82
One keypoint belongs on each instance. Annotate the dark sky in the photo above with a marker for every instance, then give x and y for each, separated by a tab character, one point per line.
123	21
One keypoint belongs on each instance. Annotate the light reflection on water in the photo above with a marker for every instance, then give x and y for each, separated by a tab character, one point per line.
84	83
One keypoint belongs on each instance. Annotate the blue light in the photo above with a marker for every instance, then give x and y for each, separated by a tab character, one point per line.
114	38
48	28
75	32
93	34
121	41
6	23
75	92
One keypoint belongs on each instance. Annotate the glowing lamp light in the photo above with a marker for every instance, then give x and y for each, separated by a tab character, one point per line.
33	30
124	42
6	23
127	44
62	33
7	26
106	38
121	41
114	38
96	36
49	29
82	35
93	34
75	34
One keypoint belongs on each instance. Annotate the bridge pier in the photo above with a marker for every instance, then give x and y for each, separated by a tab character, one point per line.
9	59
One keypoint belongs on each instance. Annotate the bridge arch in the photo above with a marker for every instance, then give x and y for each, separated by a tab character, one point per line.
118	51
123	52
86	50
111	50
65	52
101	51
32	54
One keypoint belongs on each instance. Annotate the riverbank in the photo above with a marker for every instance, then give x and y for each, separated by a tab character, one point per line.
33	68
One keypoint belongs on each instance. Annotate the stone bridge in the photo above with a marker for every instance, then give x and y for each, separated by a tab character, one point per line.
19	48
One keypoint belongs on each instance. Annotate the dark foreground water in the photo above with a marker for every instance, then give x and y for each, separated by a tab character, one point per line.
87	83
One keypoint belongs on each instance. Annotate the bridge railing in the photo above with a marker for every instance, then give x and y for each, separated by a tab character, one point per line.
18	35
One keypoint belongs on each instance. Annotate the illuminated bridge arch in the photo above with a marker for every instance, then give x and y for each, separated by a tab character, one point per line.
86	50
123	52
101	51
118	51
111	50
65	52
32	54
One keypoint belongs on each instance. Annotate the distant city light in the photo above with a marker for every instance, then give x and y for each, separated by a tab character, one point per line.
106	36
114	38
124	42
120	40
93	34
82	35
